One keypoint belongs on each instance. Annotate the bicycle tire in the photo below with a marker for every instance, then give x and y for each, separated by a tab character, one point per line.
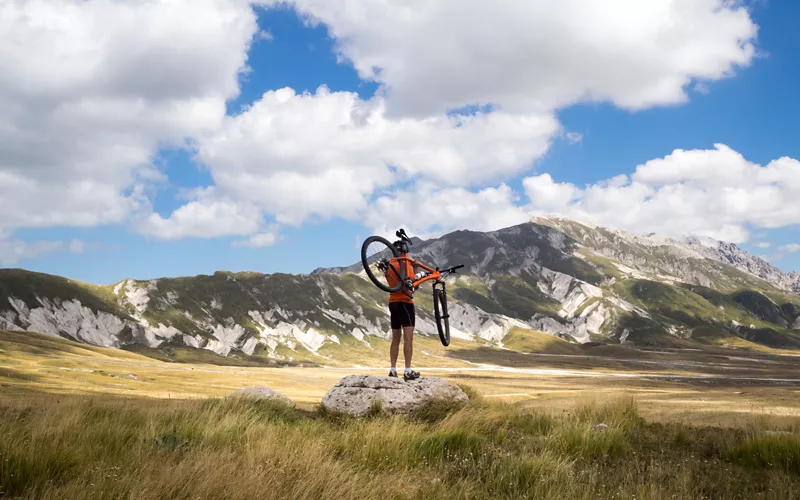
368	267
441	315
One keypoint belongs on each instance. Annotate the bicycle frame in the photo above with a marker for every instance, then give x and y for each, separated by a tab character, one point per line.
433	274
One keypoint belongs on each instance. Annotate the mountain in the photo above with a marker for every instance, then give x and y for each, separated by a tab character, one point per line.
662	254
579	282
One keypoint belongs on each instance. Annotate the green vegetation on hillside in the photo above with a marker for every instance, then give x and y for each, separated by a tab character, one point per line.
228	298
30	286
521	299
676	304
694	306
82	448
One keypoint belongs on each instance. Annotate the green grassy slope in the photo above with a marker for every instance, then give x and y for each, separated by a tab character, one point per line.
693	307
28	286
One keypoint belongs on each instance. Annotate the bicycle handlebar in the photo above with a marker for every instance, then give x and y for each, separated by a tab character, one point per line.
403	236
452	269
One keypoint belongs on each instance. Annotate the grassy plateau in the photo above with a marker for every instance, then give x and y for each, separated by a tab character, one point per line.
551	420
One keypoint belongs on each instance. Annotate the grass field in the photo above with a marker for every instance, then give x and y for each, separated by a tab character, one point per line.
96	448
706	388
79	422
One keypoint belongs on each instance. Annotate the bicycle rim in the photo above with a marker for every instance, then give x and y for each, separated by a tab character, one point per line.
441	315
375	252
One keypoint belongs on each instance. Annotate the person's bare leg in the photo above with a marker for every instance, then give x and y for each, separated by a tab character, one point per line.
394	350
408	344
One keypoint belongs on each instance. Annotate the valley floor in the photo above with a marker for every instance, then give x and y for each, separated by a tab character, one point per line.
713	387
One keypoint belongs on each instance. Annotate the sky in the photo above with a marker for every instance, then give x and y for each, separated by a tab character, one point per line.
151	138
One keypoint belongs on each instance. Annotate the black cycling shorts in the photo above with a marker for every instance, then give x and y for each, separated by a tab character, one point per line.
401	314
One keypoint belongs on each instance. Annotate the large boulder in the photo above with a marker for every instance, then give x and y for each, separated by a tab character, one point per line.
358	394
260	392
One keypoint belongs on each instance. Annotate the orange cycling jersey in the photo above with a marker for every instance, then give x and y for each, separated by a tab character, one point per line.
393	278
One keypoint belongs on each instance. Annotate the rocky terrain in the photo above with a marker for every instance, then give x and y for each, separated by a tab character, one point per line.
579	282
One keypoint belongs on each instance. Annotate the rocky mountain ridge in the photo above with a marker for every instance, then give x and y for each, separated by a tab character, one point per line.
561	277
731	254
609	241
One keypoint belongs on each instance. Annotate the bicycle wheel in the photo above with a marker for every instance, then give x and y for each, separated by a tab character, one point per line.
375	255
441	314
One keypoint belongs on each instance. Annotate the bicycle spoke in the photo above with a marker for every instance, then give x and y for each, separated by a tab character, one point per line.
376	250
378	255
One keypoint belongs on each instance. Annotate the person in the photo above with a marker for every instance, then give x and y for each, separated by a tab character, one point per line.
401	312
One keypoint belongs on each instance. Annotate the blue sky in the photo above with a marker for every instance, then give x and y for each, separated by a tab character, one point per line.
753	112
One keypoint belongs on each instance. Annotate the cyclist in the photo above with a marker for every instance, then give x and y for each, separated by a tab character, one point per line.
401	311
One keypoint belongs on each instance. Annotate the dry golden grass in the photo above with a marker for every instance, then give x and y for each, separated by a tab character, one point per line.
527	341
88	448
82	422
33	365
33	362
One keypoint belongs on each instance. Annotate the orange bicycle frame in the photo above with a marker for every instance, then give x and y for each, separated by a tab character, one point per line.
433	274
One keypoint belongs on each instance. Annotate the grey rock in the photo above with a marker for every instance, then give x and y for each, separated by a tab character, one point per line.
356	394
260	392
601	427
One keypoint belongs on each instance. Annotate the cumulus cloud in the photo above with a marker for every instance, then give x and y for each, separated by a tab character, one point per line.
308	133
267	238
99	86
92	89
716	193
302	157
428	212
204	218
434	55
310	157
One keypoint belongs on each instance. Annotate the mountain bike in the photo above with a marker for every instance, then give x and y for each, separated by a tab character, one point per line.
378	256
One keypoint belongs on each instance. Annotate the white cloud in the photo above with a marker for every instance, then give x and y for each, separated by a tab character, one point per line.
702	88
91	90
574	137
302	157
14	250
265	36
434	55
762	244
99	86
311	157
264	239
204	218
792	248
426	211
715	193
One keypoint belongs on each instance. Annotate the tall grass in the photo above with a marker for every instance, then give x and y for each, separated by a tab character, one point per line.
82	448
